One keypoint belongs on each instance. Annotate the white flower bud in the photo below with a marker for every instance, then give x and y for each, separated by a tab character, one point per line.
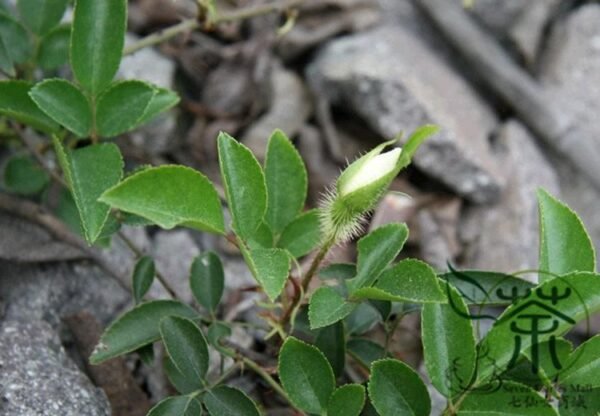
371	171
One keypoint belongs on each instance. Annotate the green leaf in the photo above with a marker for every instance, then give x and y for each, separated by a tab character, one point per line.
565	246
186	346
207	280
90	171
16	42
582	301
121	106
286	180
270	267
375	251
65	104
262	238
136	328
16	103
22	175
414	142
244	184
347	400
162	100
146	354
338	271
583	365
579	401
97	42
410	280
143	276
362	319
511	398
177	406
181	383
6	62
365	350
448	344
332	342
170	195
41	16
547	356
302	235
228	401
396	390
66	211
327	307
479	287
217	331
306	375
53	51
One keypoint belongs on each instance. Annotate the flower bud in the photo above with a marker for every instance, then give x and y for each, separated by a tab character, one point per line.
362	183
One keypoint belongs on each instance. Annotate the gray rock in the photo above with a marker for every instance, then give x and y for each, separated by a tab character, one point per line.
504	237
289	109
395	83
38	379
27	242
570	69
571	75
324	19
521	22
119	254
174	252
50	291
149	65
438	231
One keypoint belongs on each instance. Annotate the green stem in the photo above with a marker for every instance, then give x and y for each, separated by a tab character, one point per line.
193	24
267	378
314	266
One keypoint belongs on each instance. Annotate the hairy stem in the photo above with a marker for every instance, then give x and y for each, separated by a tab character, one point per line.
193	24
314	266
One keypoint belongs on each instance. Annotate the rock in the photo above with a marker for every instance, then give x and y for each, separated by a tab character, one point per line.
27	242
322	172
289	109
570	73
52	290
38	378
527	31
504	237
321	20
149	65
174	252
120	256
437	226
398	89
393	208
570	69
520	22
